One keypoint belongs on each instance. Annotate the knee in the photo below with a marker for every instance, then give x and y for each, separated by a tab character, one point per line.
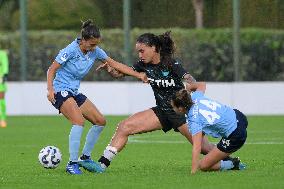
124	128
80	121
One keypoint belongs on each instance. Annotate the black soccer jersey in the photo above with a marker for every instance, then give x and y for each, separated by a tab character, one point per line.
165	82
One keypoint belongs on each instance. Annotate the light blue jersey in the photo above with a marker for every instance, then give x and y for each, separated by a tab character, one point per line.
210	117
74	66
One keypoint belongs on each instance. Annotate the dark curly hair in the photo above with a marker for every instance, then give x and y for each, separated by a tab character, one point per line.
163	44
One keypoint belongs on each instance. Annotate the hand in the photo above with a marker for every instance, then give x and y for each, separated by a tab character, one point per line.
188	87
143	77
110	69
102	66
50	96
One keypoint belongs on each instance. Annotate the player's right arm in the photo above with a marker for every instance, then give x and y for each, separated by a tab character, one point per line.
50	76
113	72
196	149
126	69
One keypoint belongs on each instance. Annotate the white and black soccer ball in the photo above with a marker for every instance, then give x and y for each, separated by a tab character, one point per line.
49	157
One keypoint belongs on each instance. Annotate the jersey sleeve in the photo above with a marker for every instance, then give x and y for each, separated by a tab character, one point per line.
196	94
138	66
101	54
64	55
179	70
195	128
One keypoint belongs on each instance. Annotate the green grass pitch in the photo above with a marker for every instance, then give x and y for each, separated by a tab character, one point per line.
151	160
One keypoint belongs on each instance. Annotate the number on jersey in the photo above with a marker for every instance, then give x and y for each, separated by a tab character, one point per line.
210	104
210	116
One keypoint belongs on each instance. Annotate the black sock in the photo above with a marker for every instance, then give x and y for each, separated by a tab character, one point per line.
72	162
84	157
104	161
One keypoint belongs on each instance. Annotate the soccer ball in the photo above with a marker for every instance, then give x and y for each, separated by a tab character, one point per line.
49	157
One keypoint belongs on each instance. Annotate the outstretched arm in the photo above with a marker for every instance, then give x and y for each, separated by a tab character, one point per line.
113	72
123	69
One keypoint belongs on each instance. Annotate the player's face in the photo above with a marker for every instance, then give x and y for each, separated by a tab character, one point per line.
145	52
89	44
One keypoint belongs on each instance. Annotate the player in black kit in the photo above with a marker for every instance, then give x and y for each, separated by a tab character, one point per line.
166	76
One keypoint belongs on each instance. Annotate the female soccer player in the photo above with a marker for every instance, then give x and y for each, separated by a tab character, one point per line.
165	76
63	81
4	69
207	116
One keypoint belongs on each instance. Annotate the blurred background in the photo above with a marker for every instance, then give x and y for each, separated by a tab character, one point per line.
217	40
207	52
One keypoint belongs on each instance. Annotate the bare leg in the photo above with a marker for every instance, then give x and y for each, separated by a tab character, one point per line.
141	122
92	114
211	162
72	112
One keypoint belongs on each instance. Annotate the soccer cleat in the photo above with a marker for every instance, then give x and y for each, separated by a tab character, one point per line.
242	166
237	164
90	165
73	169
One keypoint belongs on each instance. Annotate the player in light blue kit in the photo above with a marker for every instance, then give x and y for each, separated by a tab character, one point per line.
63	81
206	116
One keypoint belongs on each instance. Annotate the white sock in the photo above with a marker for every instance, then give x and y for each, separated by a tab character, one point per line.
109	153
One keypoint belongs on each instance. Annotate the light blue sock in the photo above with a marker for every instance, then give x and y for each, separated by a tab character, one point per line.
74	142
91	139
226	165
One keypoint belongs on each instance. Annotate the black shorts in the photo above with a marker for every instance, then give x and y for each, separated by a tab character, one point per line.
169	119
237	138
62	96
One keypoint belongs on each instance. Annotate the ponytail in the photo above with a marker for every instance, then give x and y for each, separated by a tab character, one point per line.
167	49
89	30
167	44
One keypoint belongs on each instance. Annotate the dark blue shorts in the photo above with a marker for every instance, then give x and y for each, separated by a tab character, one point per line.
237	138
62	96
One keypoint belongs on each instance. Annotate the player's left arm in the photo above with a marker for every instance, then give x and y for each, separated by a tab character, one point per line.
196	150
182	73
189	78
